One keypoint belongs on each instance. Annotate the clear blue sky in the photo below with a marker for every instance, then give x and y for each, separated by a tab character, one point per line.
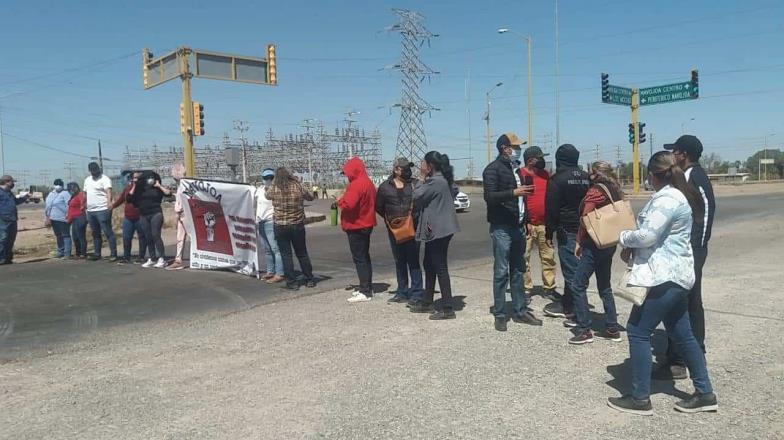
71	71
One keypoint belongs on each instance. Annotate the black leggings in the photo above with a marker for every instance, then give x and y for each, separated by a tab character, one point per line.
151	225
359	245
436	265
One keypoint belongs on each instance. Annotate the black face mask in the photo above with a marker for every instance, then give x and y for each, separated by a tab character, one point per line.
406	173
540	163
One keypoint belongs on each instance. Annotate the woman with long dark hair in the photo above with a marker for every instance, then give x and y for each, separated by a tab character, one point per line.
147	194
434	201
591	259
288	195
663	261
77	218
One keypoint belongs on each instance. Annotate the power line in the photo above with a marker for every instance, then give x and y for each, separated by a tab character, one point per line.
73	69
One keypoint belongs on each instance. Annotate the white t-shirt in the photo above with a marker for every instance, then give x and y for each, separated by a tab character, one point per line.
95	190
264	208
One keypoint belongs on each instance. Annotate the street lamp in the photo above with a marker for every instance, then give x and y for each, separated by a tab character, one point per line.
529	42
487	118
683	125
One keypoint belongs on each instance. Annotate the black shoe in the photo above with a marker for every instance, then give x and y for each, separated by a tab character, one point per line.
113	259
93	258
670	372
397	299
500	324
123	261
698	403
610	335
584	337
629	404
311	283
527	318
554	310
442	314
552	295
421	308
290	286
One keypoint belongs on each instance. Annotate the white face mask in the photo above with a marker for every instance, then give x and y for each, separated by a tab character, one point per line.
515	157
58	188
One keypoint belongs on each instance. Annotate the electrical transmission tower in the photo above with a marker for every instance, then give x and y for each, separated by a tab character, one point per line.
411	141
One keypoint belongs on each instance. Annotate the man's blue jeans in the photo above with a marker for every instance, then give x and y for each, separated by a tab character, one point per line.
102	221
508	268
598	261
128	228
274	259
566	243
407	266
669	303
7	239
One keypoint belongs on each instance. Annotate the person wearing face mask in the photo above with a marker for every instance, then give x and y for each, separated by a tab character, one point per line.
595	261
98	203
178	173
77	219
8	218
507	219
394	199
147	194
131	222
56	209
533	173
264	217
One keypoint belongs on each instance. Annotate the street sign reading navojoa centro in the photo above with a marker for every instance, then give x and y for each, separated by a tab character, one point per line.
668	93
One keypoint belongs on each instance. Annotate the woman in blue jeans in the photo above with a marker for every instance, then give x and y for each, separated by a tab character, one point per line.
660	250
591	259
264	217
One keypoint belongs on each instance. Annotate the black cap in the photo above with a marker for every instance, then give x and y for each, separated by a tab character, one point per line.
533	151
58	182
688	144
508	140
568	154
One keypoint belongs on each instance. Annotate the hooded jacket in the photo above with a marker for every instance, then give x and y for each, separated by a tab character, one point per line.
358	203
565	191
499	183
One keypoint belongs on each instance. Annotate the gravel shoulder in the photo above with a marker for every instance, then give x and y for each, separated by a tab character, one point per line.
317	367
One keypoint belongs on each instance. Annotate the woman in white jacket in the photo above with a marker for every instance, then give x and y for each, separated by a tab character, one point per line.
663	262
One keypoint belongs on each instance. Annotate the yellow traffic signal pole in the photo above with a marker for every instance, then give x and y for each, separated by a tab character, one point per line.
636	144
187	104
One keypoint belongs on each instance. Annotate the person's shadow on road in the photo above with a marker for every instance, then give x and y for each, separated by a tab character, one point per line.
622	374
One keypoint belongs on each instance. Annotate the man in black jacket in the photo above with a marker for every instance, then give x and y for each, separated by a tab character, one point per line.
687	151
503	197
565	191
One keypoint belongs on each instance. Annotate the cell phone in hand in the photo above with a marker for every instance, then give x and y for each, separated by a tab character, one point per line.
528	181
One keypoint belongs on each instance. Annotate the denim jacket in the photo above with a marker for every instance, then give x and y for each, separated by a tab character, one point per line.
662	241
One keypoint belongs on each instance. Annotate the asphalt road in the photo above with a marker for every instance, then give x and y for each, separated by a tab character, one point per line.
46	302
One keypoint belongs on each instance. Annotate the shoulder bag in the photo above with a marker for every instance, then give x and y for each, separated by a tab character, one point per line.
604	225
402	228
630	292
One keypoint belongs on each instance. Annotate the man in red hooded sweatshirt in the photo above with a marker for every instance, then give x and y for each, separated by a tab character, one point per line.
357	218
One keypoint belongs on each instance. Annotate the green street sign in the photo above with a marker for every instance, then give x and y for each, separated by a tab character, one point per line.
669	93
618	95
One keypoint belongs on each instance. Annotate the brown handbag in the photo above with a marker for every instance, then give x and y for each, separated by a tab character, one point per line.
604	225
402	228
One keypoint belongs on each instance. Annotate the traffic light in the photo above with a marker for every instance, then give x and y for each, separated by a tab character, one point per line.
146	60
198	119
631	133
605	87
640	127
272	66
183	120
695	84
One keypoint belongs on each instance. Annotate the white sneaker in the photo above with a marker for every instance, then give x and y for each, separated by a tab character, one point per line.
355	292
148	263
160	264
359	297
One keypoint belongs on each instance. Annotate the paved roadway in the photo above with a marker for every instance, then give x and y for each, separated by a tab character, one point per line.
43	303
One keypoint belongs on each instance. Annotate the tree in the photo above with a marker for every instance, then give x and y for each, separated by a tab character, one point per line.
711	162
775	171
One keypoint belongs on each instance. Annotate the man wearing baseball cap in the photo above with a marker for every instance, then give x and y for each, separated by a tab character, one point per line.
8	218
687	151
506	219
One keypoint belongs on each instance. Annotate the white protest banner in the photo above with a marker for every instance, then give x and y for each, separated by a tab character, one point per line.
220	218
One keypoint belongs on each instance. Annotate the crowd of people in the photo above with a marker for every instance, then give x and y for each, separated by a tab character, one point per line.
526	208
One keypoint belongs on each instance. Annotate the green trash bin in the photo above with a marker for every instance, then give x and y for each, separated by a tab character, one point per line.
333	214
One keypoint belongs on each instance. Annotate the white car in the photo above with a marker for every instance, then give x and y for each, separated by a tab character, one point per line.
462	202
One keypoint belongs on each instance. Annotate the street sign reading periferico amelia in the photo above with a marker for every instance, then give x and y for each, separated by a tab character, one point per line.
669	93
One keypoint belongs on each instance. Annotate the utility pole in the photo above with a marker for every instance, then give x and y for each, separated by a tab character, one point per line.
618	161
100	155
350	133
557	83
69	167
651	145
187	105
468	114
597	152
242	127
2	150
487	118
